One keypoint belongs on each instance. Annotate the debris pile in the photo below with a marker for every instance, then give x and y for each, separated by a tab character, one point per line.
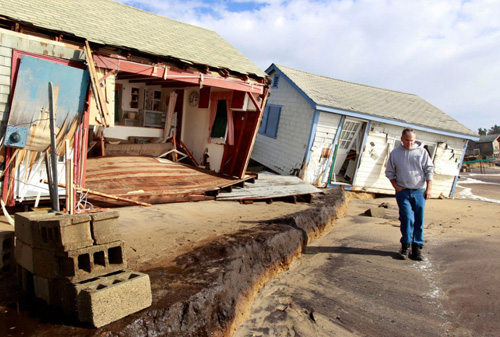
76	263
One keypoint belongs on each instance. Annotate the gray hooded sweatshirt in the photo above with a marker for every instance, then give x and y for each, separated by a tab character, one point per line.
411	168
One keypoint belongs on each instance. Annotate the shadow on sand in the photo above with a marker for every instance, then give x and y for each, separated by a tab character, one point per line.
350	250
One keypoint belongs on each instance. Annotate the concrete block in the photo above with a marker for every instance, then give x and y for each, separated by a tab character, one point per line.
377	212
24	255
25	281
48	290
86	263
24	227
54	231
7	260
104	227
113	297
75	265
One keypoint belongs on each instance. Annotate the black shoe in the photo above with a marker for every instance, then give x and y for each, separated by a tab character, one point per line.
416	253
404	252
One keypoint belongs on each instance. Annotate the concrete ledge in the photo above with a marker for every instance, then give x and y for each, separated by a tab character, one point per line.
209	291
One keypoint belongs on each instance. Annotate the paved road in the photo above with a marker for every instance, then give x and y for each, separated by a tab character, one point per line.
350	282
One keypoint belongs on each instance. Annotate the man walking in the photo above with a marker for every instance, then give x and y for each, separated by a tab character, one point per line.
410	171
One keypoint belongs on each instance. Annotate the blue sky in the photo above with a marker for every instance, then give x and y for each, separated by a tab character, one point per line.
445	51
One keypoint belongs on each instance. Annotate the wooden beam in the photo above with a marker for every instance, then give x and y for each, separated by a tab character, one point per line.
101	103
219	81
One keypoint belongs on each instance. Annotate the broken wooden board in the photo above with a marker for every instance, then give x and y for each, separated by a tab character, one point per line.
269	187
152	180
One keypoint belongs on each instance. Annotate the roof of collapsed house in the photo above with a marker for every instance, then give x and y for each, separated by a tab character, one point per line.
363	99
114	24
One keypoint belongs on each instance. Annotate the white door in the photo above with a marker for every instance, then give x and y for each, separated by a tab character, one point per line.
349	135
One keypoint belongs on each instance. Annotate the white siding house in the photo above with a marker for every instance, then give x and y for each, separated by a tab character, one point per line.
333	132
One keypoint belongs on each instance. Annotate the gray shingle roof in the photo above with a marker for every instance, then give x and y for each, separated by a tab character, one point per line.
488	138
382	103
111	23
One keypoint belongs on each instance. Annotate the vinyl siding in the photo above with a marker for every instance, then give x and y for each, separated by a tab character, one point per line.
286	152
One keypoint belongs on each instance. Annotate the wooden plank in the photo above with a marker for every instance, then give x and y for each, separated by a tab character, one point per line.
271	187
145	178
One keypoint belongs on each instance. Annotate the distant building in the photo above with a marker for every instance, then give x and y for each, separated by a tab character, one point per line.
487	146
333	132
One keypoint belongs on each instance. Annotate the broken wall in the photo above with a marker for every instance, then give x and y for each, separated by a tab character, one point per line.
446	152
326	130
285	153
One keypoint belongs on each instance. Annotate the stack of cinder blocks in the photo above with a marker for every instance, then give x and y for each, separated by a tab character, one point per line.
77	263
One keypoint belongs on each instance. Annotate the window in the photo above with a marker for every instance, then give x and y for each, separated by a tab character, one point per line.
220	123
276	80
270	121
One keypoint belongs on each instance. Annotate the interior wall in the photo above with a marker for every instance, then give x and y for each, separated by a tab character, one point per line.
195	132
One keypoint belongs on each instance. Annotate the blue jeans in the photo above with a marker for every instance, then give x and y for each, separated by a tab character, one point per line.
411	205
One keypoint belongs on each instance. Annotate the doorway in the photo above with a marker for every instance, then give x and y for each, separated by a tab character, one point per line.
347	151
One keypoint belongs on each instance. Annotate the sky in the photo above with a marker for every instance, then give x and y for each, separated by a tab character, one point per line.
445	51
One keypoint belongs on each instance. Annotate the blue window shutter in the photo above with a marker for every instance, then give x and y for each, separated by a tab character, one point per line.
262	128
273	121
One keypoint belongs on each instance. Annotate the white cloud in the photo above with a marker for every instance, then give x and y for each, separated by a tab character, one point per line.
445	51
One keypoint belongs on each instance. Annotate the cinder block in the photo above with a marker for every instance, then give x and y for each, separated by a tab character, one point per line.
7	260
54	231
110	298
24	226
86	263
25	282
24	255
104	227
48	290
75	265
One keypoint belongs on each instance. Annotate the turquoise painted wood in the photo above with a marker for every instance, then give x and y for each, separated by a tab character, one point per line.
31	99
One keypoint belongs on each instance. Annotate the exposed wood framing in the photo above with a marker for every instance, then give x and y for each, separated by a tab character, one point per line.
151	71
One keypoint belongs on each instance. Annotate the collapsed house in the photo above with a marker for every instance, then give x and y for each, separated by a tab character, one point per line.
338	133
122	82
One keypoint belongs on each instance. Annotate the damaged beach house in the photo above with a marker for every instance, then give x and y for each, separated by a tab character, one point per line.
336	133
125	105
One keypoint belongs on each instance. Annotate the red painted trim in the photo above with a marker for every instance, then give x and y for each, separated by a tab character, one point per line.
6	176
175	74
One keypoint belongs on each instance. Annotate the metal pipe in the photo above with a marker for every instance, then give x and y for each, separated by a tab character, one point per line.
53	153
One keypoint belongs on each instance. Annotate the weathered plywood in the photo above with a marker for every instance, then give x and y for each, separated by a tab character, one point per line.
269	186
31	99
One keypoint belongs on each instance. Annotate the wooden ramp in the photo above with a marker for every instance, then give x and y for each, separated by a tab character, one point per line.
271	187
152	180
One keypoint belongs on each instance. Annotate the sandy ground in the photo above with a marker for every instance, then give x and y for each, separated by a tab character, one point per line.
352	270
350	281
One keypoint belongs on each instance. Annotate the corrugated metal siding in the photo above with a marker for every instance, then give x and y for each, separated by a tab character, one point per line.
286	152
325	133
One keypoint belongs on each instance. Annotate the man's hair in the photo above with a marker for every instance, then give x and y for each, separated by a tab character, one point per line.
407	130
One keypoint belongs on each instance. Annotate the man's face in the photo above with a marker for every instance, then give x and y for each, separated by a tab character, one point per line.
408	140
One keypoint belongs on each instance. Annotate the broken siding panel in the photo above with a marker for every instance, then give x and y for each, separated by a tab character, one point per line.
37	45
322	146
371	173
286	152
